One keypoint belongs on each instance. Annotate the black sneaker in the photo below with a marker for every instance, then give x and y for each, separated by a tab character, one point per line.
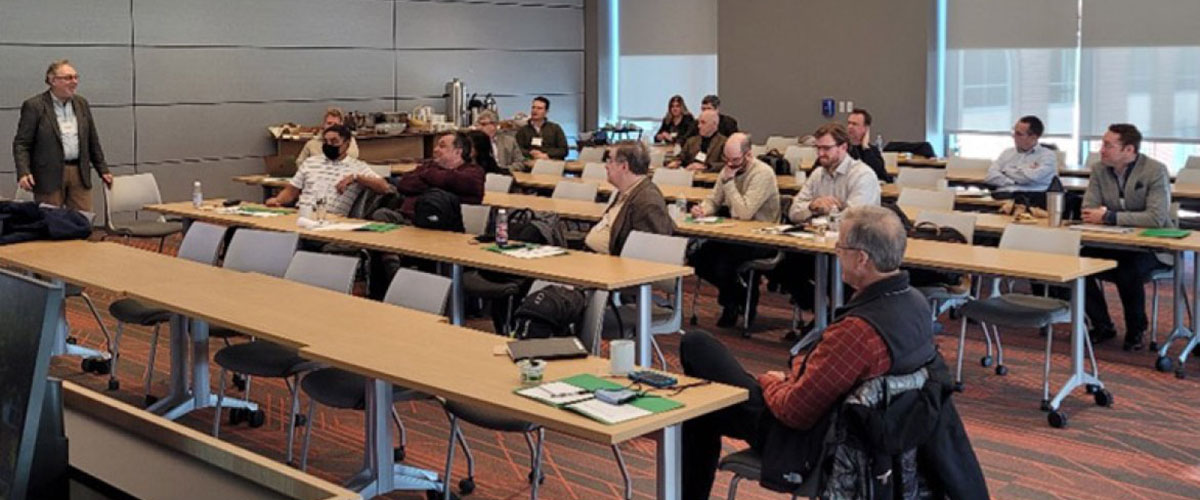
729	316
1101	335
1133	343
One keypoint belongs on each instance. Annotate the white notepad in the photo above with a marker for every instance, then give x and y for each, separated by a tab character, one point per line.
607	413
535	252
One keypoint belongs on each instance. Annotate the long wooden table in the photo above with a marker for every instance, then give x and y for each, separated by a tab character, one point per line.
389	344
581	269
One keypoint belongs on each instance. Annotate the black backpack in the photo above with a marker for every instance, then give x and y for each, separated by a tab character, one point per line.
776	161
531	226
438	209
553	311
929	231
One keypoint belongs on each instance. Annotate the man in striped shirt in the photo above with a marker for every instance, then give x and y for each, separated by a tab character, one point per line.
883	328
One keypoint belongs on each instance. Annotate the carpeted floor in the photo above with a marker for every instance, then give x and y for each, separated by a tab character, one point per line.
1145	446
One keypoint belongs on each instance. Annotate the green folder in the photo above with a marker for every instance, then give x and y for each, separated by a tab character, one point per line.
649	402
1165	232
692	220
511	246
283	211
378	227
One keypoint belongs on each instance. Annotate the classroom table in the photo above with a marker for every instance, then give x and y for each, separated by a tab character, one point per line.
581	269
386	343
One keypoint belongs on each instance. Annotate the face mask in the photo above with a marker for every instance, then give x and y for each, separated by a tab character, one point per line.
332	152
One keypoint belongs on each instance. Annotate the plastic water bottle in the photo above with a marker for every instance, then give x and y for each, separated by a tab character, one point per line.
501	227
879	141
681	208
197	195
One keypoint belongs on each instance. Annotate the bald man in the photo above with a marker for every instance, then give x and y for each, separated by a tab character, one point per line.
747	190
704	152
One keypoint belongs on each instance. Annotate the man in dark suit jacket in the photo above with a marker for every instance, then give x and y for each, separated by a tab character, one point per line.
638	206
57	145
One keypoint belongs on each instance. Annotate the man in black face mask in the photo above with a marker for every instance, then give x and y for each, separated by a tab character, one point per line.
333	177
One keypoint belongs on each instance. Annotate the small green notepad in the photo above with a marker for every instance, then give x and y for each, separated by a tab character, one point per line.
1165	232
704	220
378	227
266	210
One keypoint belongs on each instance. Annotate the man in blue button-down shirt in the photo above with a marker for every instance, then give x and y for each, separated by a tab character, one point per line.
57	146
1027	166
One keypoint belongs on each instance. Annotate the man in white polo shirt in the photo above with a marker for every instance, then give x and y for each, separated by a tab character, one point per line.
333	177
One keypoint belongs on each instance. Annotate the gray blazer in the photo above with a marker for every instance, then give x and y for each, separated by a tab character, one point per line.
37	147
1147	193
508	153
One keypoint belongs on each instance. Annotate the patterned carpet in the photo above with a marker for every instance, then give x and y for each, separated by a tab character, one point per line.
1145	446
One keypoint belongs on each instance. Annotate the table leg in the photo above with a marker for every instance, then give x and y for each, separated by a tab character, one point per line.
381	474
457	298
180	399
1180	329
670	441
1195	339
644	338
1078	331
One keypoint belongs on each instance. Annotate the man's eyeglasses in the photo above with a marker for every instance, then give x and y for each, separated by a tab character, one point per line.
830	147
67	78
839	246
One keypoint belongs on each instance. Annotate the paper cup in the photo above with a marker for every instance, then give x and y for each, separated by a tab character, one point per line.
620	355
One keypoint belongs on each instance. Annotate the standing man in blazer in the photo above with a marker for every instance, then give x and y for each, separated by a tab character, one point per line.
57	146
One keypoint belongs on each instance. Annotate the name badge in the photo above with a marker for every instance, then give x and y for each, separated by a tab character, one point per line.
701	157
537	141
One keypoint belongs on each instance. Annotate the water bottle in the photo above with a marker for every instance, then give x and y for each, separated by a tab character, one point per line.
879	141
501	227
322	207
681	208
197	195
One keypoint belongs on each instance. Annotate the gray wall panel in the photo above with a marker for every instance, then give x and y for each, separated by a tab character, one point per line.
8	184
116	134
105	73
268	23
237	74
175	180
222	130
509	26
425	73
8	129
65	21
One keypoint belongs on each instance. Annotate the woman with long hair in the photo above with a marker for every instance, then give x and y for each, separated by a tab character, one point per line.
678	124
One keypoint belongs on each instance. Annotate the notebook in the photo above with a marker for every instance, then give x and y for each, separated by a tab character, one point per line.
551	348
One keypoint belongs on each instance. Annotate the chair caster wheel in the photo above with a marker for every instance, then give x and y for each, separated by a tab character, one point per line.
541	478
466	486
238	415
1180	374
239	381
1045	405
1163	364
959	387
114	384
257	418
694	320
1103	397
985	361
150	400
301	420
398	454
72	340
1057	419
1001	370
953	314
1153	346
746	334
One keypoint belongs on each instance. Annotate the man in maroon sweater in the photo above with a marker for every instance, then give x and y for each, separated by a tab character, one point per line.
450	169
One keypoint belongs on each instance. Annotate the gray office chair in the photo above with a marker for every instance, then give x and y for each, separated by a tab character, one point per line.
267	359
942	298
751	269
201	243
497	183
128	194
666	316
342	389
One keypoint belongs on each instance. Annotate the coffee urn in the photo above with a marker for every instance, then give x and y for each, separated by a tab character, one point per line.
456	102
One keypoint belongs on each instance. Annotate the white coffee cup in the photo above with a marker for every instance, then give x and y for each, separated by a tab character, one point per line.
306	211
620	355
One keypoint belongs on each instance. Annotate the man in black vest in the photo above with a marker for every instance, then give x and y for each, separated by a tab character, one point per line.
884	329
